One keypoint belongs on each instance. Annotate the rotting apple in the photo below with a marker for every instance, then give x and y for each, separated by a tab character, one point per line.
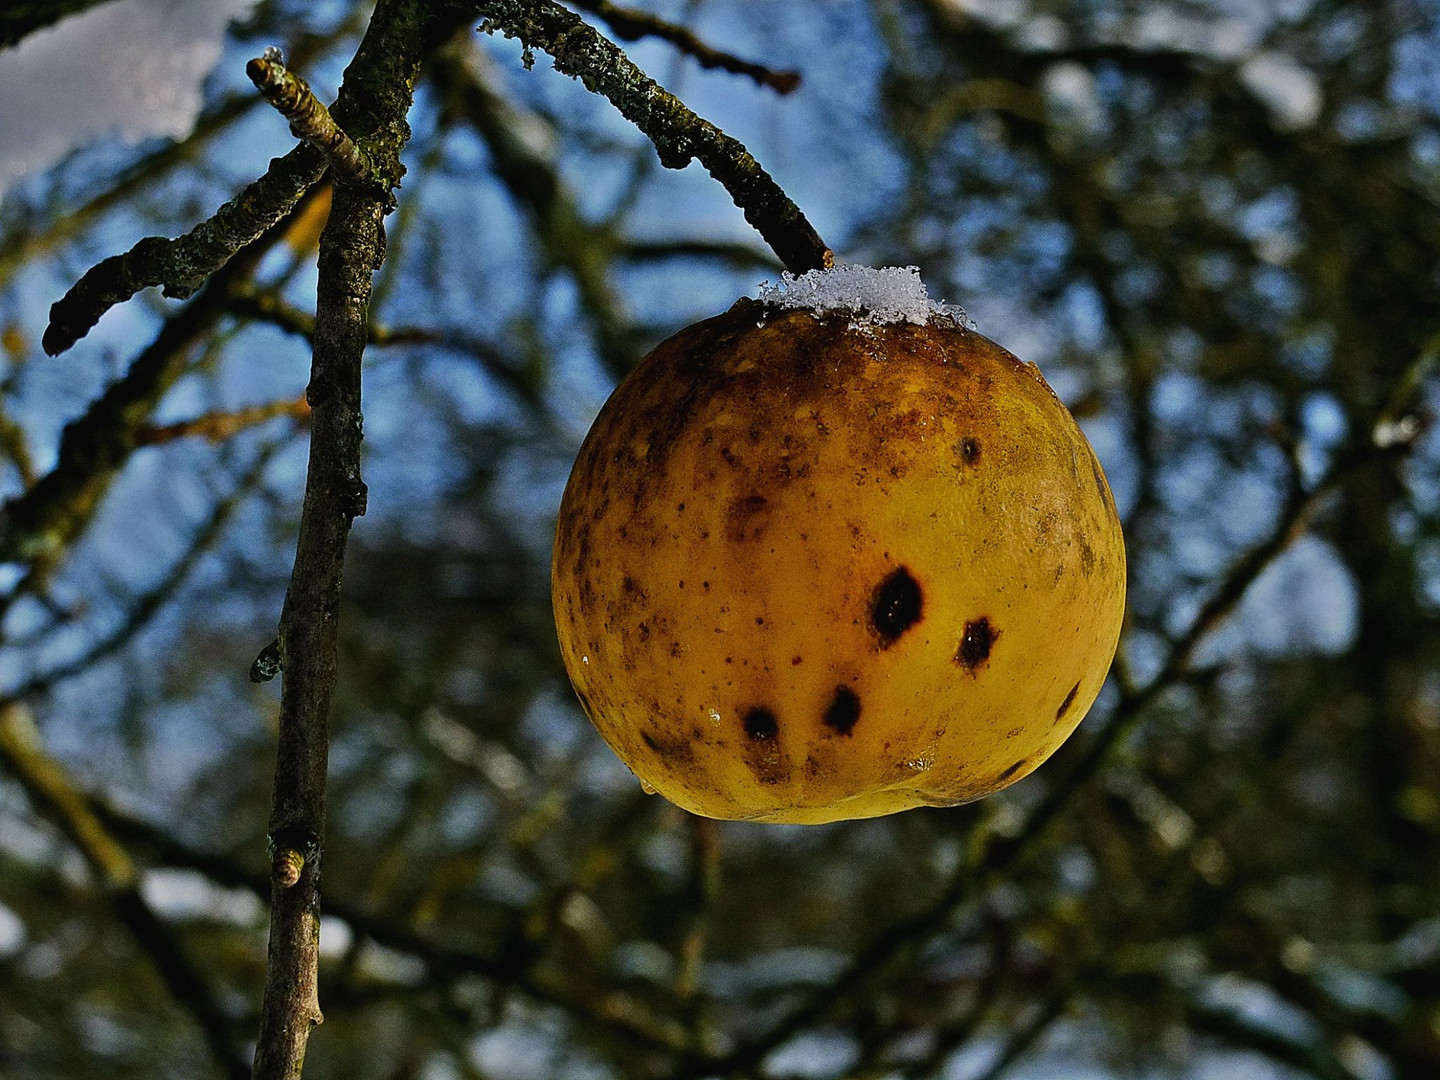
808	570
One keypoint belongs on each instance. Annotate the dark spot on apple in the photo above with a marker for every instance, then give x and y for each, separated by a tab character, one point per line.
976	643
674	751
1012	770
969	450
897	605
761	725
843	710
1069	700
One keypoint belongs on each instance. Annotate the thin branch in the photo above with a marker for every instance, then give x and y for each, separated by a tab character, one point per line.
449	956
182	265
45	519
701	892
678	134
533	179
15	445
957	1031
1294	520
374	101
264	305
26	243
218	427
738	255
628	24
54	795
144	607
309	119
1025	1036
22	245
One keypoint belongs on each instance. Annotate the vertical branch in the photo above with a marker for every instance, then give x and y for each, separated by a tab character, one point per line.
350	250
373	104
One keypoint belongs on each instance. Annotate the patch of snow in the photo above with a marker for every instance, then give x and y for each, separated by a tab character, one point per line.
184	895
1001	14
1288	90
1072	97
132	69
12	933
870	296
1219	37
336	937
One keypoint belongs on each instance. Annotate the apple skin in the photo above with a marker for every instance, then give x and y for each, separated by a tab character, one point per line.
807	570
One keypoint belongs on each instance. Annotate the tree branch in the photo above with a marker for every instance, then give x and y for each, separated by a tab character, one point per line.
628	24
149	603
309	119
614	1014
678	134
531	176
46	518
373	103
20	18
264	305
23	243
182	265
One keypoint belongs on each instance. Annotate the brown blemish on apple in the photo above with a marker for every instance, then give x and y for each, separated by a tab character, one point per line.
843	711
898	605
975	644
1069	700
761	725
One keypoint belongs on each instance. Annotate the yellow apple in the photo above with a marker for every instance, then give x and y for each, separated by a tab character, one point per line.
808	569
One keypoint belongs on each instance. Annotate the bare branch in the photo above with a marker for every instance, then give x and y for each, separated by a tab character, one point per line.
611	1013
23	243
678	134
533	179
266	306
46	518
145	606
628	24
217	427
309	119
373	102
182	265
